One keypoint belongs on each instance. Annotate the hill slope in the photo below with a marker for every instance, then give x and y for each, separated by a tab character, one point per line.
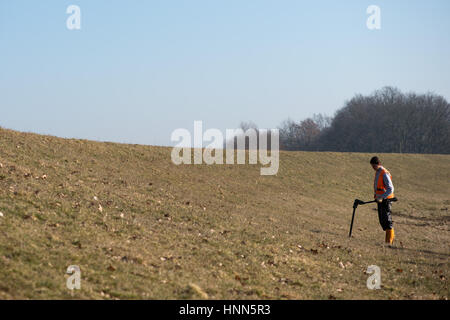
140	227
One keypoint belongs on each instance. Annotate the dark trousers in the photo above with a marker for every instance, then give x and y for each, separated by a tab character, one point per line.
384	214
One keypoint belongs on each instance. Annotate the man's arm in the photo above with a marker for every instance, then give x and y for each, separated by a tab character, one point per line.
389	186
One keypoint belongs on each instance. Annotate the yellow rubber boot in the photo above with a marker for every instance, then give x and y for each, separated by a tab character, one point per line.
390	235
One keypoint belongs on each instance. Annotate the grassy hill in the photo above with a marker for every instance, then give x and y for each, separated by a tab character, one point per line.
141	227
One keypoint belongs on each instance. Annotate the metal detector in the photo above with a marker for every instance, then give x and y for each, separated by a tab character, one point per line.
360	202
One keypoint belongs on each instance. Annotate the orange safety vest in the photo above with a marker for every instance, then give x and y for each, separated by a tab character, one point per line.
381	188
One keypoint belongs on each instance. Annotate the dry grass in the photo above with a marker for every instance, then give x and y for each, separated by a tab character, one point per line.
221	231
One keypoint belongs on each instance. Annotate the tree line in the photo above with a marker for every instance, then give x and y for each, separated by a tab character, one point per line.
386	121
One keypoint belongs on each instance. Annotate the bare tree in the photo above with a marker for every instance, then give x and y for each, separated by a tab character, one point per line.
302	135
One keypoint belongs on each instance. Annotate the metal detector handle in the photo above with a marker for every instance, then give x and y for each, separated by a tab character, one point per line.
390	200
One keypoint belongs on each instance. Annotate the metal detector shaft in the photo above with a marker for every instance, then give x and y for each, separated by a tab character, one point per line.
351	225
369	202
355	205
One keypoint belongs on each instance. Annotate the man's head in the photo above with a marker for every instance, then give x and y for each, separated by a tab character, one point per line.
375	162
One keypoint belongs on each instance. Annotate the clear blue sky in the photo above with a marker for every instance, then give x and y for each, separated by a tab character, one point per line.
137	70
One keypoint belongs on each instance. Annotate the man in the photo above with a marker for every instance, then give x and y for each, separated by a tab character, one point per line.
383	190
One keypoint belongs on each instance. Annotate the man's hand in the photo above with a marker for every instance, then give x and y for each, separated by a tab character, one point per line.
379	200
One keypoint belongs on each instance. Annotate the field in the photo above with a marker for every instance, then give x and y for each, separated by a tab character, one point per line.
140	227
